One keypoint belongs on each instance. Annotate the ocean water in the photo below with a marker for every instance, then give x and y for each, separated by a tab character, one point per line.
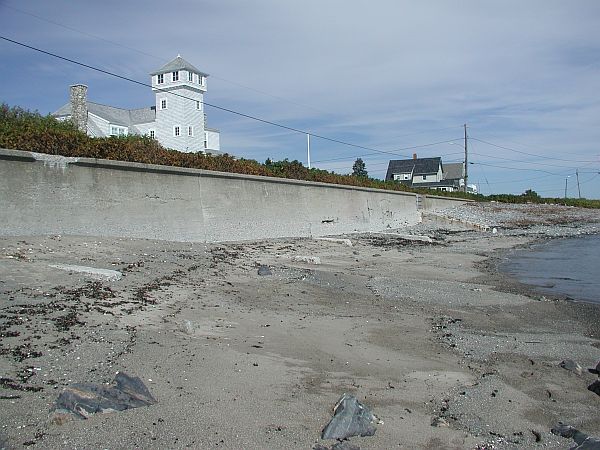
568	267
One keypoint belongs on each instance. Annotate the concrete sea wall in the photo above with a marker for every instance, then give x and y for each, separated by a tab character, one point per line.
46	194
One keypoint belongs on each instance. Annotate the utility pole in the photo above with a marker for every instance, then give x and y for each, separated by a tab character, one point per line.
466	159
308	148
578	188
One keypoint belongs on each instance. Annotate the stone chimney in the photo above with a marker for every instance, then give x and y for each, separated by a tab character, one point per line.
79	111
414	156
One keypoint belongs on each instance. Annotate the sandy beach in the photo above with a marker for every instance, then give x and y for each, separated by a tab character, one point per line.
416	323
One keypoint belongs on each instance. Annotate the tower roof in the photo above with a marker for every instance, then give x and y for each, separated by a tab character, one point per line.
178	64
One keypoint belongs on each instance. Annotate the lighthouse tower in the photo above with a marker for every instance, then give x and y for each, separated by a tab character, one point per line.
179	88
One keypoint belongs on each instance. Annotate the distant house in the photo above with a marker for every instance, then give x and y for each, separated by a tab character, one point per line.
455	173
428	173
177	119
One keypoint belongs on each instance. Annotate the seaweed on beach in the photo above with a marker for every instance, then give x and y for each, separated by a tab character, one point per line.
397	242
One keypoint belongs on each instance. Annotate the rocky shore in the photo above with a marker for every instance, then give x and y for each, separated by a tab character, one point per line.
251	344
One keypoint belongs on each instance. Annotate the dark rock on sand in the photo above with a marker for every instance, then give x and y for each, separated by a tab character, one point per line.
84	399
350	418
595	387
583	441
264	270
571	366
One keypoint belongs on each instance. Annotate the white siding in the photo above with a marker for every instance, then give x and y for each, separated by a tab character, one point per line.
102	124
213	141
145	128
180	112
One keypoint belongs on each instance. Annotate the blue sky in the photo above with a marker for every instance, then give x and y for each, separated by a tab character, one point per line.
390	75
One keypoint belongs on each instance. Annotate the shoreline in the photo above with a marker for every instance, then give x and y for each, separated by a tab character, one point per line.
422	333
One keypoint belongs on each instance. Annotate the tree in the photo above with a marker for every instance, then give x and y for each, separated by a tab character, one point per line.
359	169
530	194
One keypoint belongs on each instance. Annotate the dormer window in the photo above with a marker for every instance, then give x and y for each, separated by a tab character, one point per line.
175	76
201	80
160	78
190	76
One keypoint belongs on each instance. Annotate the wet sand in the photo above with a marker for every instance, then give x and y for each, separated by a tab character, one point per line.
417	331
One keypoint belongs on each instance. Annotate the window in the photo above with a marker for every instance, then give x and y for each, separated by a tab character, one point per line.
160	78
201	80
198	105
190	76
116	130
401	176
152	134
176	131
205	140
424	177
190	130
163	103
175	76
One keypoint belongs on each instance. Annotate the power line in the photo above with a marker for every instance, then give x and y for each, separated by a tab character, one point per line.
514	168
517	160
231	111
85	33
530	154
522	179
75	30
426	131
398	150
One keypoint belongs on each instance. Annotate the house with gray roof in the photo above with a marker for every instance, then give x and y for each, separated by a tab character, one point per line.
455	173
177	119
428	173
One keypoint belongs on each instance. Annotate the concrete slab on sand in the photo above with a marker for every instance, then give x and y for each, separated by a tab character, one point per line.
414	330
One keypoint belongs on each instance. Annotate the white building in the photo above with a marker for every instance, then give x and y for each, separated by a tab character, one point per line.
177	120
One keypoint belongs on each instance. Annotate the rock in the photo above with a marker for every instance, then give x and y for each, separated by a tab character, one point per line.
91	272
187	327
571	366
595	387
264	270
307	259
81	400
583	441
596	370
439	422
350	418
342	445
